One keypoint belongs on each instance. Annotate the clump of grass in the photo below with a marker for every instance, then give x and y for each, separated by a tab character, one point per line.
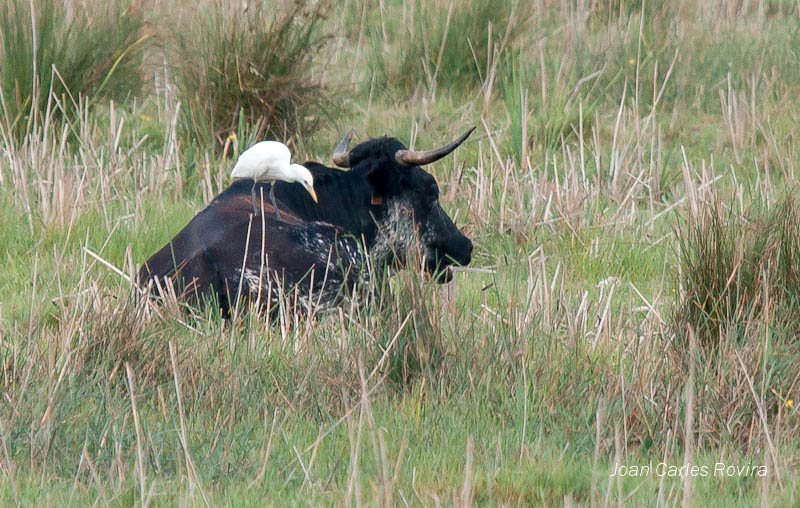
737	272
47	48
451	44
112	334
254	63
739	275
413	320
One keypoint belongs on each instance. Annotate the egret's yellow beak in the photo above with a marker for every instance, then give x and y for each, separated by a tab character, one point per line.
313	194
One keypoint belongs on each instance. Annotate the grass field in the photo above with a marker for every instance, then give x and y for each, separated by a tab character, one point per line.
633	299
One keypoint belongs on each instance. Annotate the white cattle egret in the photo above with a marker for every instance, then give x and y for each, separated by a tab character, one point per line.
269	161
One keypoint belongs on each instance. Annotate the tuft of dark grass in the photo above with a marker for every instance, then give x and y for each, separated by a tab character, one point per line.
254	64
47	49
737	272
739	297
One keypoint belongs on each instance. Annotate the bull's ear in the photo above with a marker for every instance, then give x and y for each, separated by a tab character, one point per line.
384	178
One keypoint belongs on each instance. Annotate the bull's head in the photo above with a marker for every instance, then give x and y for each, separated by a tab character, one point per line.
406	201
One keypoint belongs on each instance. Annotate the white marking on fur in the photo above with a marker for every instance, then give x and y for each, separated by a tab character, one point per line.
396	233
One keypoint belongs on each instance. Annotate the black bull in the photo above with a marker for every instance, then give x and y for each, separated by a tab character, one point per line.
367	219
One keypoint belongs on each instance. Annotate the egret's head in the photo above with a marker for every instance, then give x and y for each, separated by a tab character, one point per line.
303	176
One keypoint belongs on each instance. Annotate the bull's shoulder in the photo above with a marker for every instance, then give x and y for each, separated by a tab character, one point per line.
315	241
310	233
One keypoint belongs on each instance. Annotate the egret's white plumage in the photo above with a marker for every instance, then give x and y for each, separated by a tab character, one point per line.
269	161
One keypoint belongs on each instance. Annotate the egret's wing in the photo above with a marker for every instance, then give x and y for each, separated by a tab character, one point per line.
261	160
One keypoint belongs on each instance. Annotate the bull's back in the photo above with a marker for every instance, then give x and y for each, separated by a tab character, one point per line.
207	255
222	217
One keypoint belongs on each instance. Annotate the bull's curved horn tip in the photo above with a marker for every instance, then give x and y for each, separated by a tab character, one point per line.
420	158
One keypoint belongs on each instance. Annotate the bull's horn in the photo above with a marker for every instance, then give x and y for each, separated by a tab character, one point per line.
341	157
415	158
